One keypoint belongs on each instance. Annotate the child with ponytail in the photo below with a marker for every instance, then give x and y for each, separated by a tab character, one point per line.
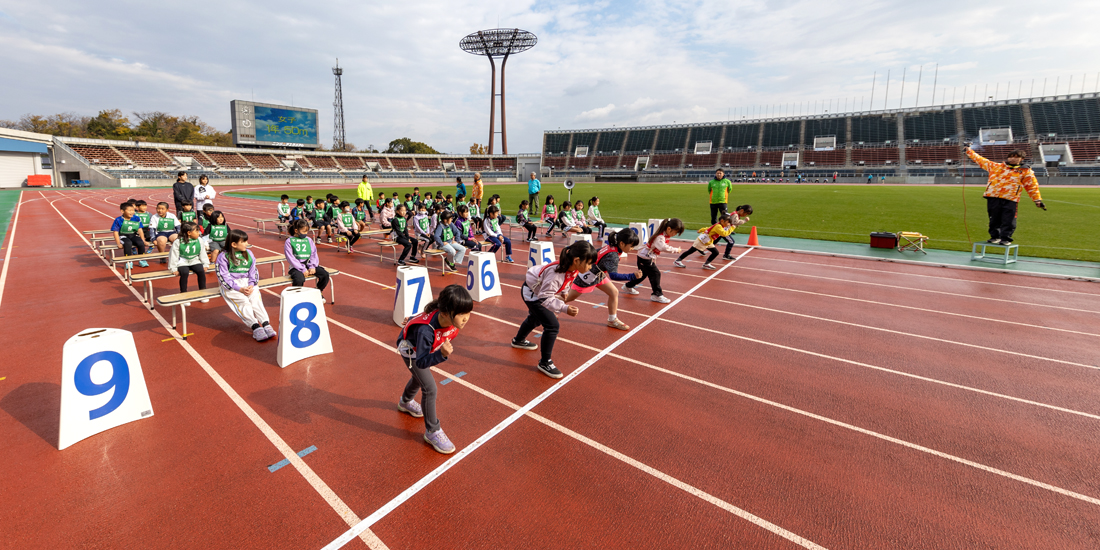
739	216
605	270
647	258
705	241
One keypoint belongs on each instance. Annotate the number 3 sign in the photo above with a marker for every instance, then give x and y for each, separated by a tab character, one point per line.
102	385
303	326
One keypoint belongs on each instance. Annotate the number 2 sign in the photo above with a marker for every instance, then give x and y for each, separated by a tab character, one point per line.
102	385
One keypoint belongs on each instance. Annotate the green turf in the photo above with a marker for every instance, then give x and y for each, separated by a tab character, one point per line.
1068	230
8	199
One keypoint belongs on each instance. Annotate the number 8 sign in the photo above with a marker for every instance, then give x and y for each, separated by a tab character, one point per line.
303	326
102	385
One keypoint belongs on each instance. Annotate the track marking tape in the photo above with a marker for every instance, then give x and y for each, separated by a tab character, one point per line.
285	462
181	336
445	381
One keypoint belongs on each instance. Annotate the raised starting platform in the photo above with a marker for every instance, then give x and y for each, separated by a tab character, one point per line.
1010	254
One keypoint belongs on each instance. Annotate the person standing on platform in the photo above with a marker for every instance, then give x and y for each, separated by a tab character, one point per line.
366	192
719	190
533	188
183	192
1002	193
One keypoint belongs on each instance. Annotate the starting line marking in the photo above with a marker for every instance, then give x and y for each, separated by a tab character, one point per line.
443	382
181	336
286	462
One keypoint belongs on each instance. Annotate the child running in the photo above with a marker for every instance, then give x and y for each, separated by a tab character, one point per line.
541	291
605	268
705	242
494	235
647	258
523	219
238	276
739	216
189	255
301	254
594	218
424	342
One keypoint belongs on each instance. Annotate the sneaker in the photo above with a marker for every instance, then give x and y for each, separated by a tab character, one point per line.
439	441
709	266
401	262
659	299
508	259
452	266
330	240
205	301
618	324
1005	242
994	241
412	407
129	265
629	290
270	331
549	369
678	263
414	261
727	257
524	344
143	263
260	334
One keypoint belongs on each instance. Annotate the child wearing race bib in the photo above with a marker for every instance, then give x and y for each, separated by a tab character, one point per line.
550	214
238	276
140	208
424	342
360	212
594	218
647	258
347	226
705	241
448	203
578	214
128	231
301	254
216	232
322	219
464	227
283	210
400	225
737	218
189	255
605	270
445	239
386	212
309	206
543	289
494	235
204	219
567	220
165	227
188	213
299	211
523	219
475	214
410	204
422	227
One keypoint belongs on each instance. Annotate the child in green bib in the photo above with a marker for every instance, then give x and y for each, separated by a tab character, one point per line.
347	225
217	231
189	254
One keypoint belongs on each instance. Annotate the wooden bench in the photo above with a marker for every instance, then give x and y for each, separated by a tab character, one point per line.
392	246
149	276
185	299
261	224
442	259
375	232
128	260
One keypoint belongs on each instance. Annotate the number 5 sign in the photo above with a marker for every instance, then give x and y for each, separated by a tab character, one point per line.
482	277
102	385
303	326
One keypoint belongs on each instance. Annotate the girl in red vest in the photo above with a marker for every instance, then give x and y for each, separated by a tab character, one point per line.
605	270
425	341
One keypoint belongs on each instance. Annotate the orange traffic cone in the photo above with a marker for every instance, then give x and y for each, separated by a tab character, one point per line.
752	237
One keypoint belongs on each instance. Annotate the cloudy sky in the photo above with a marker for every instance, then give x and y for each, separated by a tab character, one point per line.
597	64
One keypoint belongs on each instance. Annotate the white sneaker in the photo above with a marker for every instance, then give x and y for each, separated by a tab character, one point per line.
709	266
629	290
659	299
259	334
678	263
206	301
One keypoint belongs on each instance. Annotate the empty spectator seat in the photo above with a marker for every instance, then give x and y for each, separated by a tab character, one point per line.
403	163
875	156
146	157
460	163
701	161
665	162
351	163
98	154
429	163
228	160
325	163
1085	152
933	154
481	164
823	158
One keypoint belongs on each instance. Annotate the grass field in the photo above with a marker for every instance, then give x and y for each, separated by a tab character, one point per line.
1070	229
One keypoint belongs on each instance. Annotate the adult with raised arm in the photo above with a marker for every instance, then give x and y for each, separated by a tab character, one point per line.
1002	193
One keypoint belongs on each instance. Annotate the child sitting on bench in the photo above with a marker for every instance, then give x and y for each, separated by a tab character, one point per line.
238	277
189	255
301	254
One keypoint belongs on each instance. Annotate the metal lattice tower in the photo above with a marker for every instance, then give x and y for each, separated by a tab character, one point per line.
339	139
500	43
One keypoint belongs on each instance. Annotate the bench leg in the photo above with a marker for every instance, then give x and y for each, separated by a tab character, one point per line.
173	316
183	311
149	293
332	290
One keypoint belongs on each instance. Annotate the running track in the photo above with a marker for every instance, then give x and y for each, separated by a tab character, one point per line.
785	401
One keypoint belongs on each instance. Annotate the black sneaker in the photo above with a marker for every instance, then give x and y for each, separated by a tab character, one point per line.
452	266
727	257
524	344
401	262
1005	242
414	261
549	369
994	241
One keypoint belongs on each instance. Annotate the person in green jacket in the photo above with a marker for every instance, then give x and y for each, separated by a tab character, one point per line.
367	194
719	189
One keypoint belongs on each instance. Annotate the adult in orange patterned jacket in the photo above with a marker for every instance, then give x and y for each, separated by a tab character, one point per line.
1002	194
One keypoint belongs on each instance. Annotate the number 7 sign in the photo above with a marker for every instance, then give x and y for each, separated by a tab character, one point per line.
102	385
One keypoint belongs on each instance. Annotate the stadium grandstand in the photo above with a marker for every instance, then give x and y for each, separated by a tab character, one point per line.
909	145
105	163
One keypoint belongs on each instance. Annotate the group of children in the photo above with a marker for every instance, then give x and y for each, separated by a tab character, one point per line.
571	218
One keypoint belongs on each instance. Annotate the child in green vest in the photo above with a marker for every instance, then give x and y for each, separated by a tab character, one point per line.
189	255
165	227
283	209
128	233
301	254
140	210
188	213
347	225
550	214
400	225
217	231
238	277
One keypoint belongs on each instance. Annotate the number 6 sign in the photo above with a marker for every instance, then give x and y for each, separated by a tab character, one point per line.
303	326
482	277
102	385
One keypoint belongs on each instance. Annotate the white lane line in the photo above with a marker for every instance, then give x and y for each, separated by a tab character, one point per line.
914	289
322	488
914	308
952	279
11	243
462	454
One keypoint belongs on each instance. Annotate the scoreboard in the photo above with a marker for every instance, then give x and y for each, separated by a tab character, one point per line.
263	124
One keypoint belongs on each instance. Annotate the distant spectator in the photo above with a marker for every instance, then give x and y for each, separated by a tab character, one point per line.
533	188
183	192
479	189
460	188
205	193
718	189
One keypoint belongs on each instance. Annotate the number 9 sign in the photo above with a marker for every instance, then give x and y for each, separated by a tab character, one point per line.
102	385
303	326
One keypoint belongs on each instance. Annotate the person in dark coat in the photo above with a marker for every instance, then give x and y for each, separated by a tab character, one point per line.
183	192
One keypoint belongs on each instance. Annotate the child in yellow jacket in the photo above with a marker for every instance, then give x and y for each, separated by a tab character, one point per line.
706	239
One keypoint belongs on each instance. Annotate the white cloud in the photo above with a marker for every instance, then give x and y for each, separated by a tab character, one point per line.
597	113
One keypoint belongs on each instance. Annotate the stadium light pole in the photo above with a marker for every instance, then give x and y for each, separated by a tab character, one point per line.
498	43
339	139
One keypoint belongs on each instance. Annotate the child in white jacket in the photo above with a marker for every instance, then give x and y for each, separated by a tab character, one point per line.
647	258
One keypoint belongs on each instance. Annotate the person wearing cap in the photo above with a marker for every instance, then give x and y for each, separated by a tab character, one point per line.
1002	193
183	192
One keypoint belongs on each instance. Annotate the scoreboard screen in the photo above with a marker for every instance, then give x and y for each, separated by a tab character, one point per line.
263	124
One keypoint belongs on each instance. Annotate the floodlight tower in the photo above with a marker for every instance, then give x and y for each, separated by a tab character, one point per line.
339	139
498	43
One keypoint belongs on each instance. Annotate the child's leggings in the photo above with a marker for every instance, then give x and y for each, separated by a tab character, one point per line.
297	278
422	381
352	236
601	225
531	229
729	244
649	271
537	314
249	308
713	253
198	270
497	242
